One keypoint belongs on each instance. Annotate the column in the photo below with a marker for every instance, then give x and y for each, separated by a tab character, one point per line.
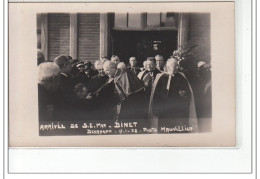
44	35
74	35
104	34
183	29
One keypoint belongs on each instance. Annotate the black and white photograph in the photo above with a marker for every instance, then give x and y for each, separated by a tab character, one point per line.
130	87
124	73
119	74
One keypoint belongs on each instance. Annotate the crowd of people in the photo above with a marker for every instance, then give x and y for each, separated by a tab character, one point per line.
162	93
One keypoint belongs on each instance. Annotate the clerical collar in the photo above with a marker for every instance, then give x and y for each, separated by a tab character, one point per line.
64	74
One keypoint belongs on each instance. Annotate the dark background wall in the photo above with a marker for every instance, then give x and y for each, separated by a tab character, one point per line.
199	34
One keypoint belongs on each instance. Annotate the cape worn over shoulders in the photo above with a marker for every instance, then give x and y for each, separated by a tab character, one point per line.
126	83
193	122
141	74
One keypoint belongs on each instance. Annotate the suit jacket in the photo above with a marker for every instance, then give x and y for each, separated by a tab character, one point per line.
147	78
135	70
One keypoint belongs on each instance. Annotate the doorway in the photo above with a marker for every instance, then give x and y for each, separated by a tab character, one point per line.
143	44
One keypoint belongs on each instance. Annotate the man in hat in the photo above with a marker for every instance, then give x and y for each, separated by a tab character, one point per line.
81	77
85	72
133	66
89	71
172	101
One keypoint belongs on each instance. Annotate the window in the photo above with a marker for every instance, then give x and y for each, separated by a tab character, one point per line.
135	20
169	20
146	21
121	20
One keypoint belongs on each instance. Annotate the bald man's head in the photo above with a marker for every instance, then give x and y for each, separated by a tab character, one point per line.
172	65
110	68
121	65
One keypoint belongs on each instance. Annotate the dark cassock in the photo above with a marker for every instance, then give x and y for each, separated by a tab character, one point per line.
135	70
104	101
96	82
98	87
172	104
68	103
46	104
131	92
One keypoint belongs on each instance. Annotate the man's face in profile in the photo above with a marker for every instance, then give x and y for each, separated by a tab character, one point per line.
67	68
110	71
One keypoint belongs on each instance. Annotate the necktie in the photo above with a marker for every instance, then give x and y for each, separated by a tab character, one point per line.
134	70
151	74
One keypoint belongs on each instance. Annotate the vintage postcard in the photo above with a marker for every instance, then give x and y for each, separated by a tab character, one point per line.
122	74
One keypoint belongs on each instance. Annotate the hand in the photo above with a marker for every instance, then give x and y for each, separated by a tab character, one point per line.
89	97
